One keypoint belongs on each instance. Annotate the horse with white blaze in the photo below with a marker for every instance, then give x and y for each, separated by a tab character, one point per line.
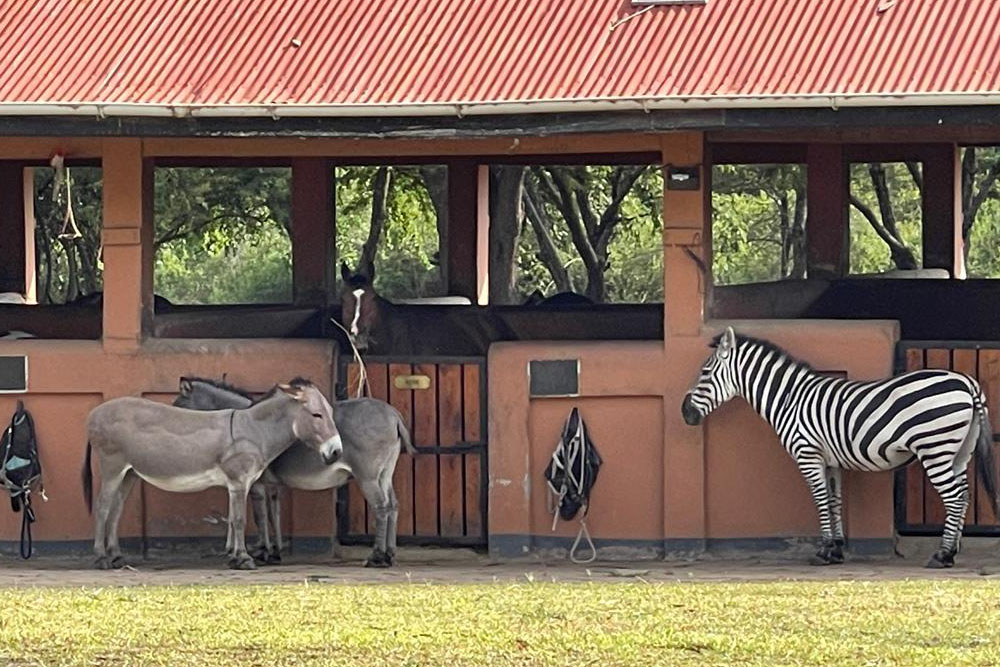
826	424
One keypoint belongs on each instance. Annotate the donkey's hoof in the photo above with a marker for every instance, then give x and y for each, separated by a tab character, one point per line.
118	562
260	557
378	559
819	559
103	563
941	559
273	557
244	562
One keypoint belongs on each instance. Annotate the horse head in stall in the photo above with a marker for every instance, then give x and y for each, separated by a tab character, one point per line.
359	304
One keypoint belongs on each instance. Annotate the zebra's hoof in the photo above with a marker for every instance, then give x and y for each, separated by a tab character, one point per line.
819	559
941	559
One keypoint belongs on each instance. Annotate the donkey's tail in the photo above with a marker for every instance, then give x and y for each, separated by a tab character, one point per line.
88	481
404	437
984	453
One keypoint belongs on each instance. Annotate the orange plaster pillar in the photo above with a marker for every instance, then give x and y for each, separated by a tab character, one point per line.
313	230
468	230
942	204
685	253
128	244
28	198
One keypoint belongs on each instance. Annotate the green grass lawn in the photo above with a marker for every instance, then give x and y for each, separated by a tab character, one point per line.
816	623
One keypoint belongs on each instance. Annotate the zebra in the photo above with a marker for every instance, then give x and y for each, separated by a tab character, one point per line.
826	424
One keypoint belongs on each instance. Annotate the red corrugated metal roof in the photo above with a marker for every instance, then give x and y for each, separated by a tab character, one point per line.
380	53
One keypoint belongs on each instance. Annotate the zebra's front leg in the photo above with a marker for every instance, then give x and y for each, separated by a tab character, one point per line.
833	481
814	472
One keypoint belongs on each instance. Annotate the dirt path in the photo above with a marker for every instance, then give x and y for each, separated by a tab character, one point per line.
421	566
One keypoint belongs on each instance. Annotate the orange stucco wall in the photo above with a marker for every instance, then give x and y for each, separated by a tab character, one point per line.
630	396
69	378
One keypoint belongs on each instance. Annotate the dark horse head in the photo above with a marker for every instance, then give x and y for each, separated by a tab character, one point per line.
358	304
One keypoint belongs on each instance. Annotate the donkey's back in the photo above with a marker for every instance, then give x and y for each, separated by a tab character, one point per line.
136	420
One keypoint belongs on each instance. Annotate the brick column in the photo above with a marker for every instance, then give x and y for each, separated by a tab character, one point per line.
827	228
468	230
942	209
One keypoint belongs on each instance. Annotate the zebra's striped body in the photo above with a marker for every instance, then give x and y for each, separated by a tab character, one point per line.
827	424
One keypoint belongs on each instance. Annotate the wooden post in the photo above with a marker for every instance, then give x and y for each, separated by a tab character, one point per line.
468	230
12	228
685	275
827	222
128	244
314	231
942	210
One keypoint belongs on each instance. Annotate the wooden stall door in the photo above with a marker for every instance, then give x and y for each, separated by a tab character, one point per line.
442	490
919	510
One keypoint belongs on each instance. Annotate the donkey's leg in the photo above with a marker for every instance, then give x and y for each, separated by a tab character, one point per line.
379	502
946	471
336	550
240	560
114	517
385	478
274	514
258	502
833	481
813	469
112	473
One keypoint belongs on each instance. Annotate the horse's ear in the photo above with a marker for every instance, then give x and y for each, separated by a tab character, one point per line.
727	343
185	386
345	272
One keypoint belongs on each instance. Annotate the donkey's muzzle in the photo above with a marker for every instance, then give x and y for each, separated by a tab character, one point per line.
692	417
332	450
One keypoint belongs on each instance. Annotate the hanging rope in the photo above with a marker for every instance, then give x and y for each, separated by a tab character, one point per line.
364	389
64	181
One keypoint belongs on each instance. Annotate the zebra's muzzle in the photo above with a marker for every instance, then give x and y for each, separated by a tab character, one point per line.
692	417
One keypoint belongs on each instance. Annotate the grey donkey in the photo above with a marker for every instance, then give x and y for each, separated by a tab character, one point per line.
373	433
185	450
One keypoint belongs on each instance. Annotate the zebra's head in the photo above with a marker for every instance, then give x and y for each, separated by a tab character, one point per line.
716	383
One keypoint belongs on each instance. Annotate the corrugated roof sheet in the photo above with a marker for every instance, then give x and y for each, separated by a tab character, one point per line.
402	52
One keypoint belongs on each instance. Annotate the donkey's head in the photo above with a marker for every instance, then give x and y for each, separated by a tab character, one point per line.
312	420
716	383
358	304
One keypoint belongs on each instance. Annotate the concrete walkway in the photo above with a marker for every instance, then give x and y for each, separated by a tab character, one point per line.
460	566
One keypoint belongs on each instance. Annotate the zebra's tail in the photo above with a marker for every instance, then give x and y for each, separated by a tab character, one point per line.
984	453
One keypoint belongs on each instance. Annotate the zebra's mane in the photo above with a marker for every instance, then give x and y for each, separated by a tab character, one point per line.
767	345
219	384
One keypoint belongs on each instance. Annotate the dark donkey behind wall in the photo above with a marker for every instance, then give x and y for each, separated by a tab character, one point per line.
373	434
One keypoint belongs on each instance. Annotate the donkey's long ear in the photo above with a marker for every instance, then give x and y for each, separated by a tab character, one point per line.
345	272
294	392
727	343
185	387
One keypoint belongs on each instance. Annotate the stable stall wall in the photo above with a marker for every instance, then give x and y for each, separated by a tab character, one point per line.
742	488
66	379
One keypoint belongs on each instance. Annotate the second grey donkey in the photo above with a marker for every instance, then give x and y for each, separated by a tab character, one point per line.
373	434
183	450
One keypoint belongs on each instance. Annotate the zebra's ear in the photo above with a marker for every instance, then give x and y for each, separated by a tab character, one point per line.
727	343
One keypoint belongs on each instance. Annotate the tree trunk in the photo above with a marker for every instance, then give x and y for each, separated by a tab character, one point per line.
902	255
798	235
380	196
435	179
506	219
547	252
